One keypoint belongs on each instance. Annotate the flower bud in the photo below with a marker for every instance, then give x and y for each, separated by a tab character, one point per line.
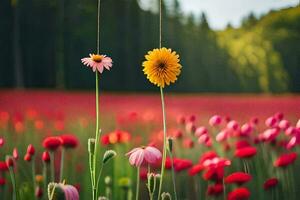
107	180
108	155
9	161
27	157
15	154
30	150
46	157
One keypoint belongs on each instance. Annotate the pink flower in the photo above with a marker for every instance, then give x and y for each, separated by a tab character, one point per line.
149	154
246	129
284	124
200	131
271	122
233	125
298	124
222	136
215	120
97	62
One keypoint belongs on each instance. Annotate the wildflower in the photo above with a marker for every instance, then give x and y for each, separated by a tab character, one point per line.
97	62
201	131
196	169
182	164
46	157
61	191
270	134
270	183
30	150
279	116
214	174
181	119
207	156
284	124
215	120
52	143
233	125
39	178
222	136
241	144
246	152
215	190
291	131
149	154
246	129
15	154
39	192
27	157
238	177
9	161
69	141
239	194
162	66
271	122
3	166
188	143
285	159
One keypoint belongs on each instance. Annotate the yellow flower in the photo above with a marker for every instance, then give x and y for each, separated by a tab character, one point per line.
162	66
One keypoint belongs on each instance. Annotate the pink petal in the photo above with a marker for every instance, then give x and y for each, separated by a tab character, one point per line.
132	151
154	151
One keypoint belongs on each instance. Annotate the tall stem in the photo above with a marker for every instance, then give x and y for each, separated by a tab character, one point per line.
61	171
52	166
33	175
137	184
173	175
160	23
94	170
98	180
13	180
45	178
164	144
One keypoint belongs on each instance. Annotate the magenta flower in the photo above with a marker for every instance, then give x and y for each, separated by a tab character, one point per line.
215	120
97	62
149	154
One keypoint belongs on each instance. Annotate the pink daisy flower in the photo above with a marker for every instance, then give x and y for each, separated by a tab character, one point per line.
149	154
97	62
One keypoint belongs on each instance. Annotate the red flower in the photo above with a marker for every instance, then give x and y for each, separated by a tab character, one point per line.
168	163
285	159
246	152
270	183
9	161
69	141
3	166
207	155
238	177
2	181
15	154
239	194
242	144
214	174
27	157
105	139
52	143
39	192
196	169
182	164
46	157
30	150
215	190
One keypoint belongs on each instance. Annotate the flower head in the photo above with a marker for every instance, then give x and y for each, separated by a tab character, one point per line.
97	62
239	194
149	154
69	141
52	143
238	177
270	183
245	152
285	159
162	66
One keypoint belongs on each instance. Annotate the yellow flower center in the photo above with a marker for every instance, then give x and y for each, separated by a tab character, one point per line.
97	58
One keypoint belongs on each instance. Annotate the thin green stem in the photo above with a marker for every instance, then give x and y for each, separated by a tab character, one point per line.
173	174
137	184
52	170
14	184
33	175
164	143
98	180
61	171
45	178
160	23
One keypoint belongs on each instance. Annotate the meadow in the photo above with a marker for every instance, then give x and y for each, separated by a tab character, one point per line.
224	146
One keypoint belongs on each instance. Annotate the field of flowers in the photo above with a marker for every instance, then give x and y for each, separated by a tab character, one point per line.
223	147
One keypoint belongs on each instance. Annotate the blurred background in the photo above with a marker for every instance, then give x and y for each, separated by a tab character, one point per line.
236	46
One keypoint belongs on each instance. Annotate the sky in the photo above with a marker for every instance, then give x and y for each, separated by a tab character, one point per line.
221	12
